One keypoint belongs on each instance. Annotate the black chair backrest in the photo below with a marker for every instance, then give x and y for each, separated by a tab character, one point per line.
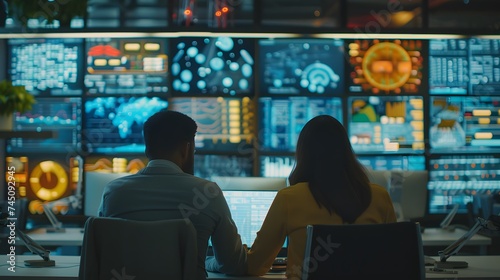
374	251
164	249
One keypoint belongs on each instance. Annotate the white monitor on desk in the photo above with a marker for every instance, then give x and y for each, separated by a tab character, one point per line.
414	196
94	187
380	177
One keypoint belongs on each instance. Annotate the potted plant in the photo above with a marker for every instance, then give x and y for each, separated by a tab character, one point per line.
13	99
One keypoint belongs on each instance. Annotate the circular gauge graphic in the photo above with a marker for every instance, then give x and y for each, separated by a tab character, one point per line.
387	66
49	180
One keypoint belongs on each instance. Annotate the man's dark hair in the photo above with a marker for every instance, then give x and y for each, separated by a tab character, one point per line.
165	131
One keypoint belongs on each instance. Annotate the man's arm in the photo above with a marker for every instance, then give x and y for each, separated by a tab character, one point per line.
229	254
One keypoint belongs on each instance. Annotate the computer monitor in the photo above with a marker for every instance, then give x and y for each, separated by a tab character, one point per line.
464	124
60	114
459	179
114	124
301	66
385	66
47	178
46	66
393	162
282	118
249	199
207	166
414	193
126	65
94	187
217	66
276	166
224	124
380	177
386	124
407	188
448	66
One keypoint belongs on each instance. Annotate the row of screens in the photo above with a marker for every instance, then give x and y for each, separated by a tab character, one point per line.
376	124
451	180
226	66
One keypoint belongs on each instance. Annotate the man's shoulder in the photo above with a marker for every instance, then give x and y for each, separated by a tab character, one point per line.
145	180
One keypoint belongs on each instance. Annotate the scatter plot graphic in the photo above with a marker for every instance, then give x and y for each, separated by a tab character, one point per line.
221	66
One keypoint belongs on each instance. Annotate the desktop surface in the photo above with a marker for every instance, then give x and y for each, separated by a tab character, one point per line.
67	267
70	237
445	237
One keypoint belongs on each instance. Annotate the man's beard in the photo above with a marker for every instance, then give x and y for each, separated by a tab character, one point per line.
188	165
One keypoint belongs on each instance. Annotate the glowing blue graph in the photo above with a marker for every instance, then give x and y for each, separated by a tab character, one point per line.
115	123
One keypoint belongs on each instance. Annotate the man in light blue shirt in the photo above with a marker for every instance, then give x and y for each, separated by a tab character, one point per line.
166	189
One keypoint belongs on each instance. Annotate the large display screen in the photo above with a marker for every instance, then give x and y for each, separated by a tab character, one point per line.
59	114
449	66
393	162
207	166
464	123
114	164
226	124
126	65
457	179
393	124
301	66
220	66
114	124
385	66
464	66
281	119
46	66
49	179
484	66
276	166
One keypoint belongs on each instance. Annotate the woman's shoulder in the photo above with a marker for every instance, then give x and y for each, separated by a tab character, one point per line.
378	189
295	189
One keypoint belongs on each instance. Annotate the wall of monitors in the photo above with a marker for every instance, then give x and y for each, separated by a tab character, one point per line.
407	104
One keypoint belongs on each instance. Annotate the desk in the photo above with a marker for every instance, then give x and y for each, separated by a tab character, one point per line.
71	237
444	238
66	268
430	237
480	267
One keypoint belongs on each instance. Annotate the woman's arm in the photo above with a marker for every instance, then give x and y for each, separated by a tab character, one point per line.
270	238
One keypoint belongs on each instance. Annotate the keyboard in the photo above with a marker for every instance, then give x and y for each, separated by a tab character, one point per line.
279	264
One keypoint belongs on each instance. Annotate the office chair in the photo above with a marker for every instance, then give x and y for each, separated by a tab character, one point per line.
373	251
124	249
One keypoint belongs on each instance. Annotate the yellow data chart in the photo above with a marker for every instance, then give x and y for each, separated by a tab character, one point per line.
220	120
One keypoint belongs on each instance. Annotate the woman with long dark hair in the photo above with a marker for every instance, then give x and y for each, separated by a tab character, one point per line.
327	186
